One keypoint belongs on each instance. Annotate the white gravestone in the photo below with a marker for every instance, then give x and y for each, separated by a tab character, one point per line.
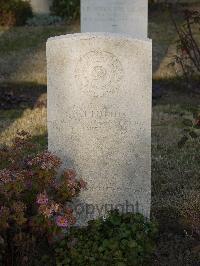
115	16
99	118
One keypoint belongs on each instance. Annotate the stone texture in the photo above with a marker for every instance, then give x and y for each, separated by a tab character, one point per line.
99	117
115	16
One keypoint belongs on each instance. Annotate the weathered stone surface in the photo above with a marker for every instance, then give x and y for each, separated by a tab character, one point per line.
115	16
99	117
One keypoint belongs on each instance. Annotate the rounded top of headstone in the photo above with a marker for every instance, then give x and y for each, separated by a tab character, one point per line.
98	35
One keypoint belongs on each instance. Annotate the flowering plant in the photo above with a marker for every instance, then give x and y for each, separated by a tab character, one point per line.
187	58
33	200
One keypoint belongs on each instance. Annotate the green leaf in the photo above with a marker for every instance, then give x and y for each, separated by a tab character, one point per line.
115	220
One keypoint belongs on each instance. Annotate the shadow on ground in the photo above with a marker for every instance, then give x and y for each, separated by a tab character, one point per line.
16	98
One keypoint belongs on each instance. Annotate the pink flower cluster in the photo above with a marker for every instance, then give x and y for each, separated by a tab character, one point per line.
82	184
5	176
35	175
45	160
49	210
62	216
42	199
72	182
62	221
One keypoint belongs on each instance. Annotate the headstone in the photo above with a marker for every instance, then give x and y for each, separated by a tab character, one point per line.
41	6
115	16
99	118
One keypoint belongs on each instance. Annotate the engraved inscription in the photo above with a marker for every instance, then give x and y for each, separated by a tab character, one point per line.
113	12
96	119
98	73
100	119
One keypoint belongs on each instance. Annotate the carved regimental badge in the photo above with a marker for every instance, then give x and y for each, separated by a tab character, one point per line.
99	73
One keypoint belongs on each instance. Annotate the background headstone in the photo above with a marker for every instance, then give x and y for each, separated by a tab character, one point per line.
99	117
115	16
41	6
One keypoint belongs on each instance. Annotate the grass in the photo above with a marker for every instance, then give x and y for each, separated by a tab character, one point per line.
20	38
30	120
175	171
22	52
